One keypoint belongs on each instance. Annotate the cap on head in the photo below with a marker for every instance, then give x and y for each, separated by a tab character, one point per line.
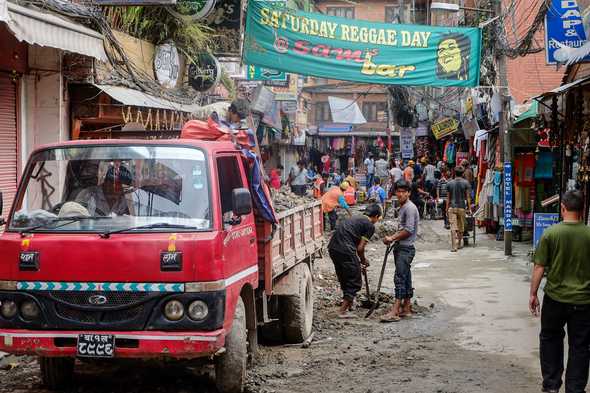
464	163
411	162
344	186
402	185
373	210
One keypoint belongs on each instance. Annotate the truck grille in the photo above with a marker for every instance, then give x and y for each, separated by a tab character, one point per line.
97	317
114	299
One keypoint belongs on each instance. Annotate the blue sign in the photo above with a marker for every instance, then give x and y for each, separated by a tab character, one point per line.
564	32
508	196
542	222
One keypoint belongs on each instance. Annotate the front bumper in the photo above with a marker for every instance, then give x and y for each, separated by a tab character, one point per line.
128	344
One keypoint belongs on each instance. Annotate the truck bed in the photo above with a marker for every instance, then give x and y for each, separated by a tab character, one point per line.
299	235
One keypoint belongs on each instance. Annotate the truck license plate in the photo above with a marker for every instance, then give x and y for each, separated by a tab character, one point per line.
96	345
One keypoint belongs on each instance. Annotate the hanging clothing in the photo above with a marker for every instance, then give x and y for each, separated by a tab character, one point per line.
544	165
497	183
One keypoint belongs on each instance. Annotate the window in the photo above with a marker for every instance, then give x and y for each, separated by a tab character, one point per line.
343	12
230	178
322	112
399	13
371	111
421	14
114	188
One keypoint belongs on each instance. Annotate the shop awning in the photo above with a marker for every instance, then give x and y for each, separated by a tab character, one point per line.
563	89
133	97
530	113
47	29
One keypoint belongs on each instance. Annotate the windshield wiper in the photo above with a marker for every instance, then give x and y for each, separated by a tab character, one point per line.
69	220
107	234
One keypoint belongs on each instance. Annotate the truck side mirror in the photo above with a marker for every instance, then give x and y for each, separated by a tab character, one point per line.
241	201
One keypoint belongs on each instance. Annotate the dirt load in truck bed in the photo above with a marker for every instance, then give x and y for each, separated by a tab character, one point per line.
284	199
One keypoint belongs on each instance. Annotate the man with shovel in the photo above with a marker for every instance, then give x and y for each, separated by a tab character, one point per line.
403	253
347	251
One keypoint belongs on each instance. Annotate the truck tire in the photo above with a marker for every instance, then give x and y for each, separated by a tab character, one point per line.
56	373
230	367
297	310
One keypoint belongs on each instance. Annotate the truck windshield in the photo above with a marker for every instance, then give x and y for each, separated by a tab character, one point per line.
133	185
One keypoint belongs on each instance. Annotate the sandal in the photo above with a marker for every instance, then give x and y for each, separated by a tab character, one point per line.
391	318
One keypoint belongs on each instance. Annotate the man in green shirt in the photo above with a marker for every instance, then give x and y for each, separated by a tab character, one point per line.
563	253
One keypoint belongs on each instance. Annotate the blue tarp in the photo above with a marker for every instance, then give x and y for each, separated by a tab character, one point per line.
260	198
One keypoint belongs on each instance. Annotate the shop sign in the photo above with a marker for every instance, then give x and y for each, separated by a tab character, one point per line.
204	73
225	14
331	47
406	140
508	196
280	96
565	35
256	73
263	100
192	10
167	65
542	221
444	127
289	106
422	130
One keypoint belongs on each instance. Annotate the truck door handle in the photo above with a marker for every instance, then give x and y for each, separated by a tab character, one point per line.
252	240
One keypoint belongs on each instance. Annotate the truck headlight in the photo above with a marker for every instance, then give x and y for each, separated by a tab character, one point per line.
29	310
198	310
174	310
8	309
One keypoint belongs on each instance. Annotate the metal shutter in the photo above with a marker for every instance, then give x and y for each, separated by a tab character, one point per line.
8	142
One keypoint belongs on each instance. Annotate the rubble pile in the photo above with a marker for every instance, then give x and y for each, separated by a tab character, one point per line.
284	199
385	228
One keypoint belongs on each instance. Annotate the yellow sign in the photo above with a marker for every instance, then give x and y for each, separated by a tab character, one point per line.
444	127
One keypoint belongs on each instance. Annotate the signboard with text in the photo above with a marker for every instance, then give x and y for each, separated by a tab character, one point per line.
327	46
256	73
444	127
543	221
406	140
566	32
508	196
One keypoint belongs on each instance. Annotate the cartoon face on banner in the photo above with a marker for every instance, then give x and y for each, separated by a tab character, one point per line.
453	57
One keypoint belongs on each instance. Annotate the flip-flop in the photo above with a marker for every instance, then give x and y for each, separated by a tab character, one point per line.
393	318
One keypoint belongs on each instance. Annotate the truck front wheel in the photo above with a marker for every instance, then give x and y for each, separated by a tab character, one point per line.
230	367
56	373
297	310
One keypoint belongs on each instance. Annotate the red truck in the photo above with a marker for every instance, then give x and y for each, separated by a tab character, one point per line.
149	249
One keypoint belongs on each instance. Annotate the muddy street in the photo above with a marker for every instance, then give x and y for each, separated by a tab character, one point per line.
471	333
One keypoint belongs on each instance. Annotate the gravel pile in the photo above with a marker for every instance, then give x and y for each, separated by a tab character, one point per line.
284	199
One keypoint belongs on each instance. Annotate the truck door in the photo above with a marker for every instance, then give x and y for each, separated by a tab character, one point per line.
239	239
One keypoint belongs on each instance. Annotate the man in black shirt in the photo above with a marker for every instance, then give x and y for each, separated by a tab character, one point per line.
347	251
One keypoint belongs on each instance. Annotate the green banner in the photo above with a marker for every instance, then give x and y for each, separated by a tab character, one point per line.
361	51
256	73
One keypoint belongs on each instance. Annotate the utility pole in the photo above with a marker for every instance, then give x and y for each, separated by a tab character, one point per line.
504	134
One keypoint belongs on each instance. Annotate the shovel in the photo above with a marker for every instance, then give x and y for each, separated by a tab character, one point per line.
378	293
366	303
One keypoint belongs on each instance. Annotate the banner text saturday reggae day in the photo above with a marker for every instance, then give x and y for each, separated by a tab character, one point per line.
301	24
